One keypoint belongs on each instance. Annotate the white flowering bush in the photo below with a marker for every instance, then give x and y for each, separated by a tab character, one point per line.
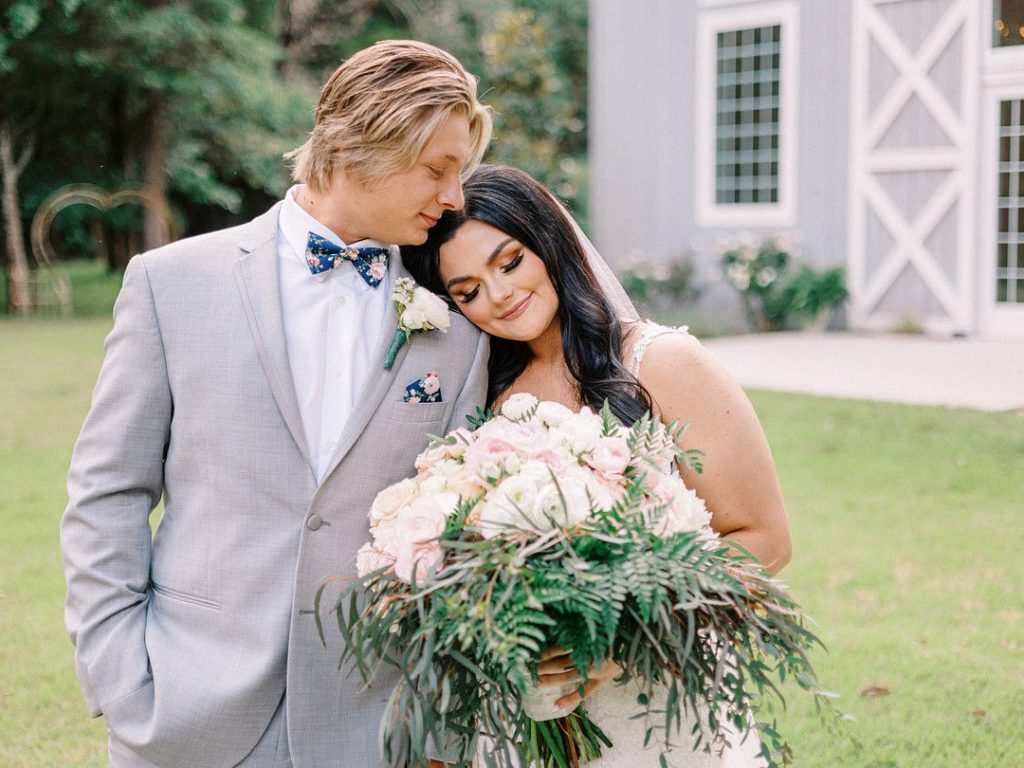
549	527
775	286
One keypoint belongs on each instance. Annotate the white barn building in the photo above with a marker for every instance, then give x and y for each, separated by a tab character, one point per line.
888	135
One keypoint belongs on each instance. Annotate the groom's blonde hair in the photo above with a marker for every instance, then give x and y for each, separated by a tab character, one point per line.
381	107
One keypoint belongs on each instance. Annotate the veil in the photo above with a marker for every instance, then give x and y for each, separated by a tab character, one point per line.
606	279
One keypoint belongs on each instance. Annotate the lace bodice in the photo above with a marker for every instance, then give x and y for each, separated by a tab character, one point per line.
648	332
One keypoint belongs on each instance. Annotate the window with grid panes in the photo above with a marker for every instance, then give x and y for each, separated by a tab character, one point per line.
747	116
1010	238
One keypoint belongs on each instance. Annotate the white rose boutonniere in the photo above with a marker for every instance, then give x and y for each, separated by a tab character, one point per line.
418	310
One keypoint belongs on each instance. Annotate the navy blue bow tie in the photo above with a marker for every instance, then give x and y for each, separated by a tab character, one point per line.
370	263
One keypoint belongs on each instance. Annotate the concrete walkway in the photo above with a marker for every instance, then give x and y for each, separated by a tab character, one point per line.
984	375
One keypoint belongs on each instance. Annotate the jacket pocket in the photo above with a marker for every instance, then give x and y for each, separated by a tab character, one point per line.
185	597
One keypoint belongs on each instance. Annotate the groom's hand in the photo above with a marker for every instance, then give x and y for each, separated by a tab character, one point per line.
556	668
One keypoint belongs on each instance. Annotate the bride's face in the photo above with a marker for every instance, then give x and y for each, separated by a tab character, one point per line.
501	286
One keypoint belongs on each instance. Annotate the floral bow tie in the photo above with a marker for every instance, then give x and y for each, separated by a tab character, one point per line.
370	263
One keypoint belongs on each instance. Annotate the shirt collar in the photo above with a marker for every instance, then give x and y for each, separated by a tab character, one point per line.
295	224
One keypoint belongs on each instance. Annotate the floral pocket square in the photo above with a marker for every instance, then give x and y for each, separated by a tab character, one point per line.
425	390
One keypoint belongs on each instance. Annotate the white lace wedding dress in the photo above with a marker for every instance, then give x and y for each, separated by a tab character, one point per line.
612	706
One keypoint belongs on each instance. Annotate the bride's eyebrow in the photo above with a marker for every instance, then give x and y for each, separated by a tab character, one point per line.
490	260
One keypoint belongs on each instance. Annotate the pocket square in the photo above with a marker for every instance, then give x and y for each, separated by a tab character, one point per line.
425	390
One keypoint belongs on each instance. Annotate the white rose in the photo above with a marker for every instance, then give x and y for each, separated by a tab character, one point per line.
581	431
489	471
551	413
414	318
517	406
433	308
435	489
446	468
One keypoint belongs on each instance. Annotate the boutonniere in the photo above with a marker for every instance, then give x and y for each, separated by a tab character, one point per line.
418	310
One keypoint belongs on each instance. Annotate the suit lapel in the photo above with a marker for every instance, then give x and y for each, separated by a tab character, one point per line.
375	380
256	276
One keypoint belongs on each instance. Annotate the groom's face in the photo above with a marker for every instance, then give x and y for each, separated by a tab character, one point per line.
403	207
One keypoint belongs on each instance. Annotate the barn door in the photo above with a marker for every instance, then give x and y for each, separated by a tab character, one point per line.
913	160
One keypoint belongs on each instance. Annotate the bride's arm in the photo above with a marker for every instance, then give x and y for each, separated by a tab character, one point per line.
739	483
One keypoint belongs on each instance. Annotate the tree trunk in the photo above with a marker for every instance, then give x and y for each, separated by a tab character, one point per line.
19	299
154	175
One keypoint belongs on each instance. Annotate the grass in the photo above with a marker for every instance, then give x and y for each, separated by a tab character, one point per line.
906	526
93	287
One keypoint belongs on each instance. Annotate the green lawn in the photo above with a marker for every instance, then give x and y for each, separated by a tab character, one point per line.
907	526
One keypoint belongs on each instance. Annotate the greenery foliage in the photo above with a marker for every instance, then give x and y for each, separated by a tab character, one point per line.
660	286
678	610
775	287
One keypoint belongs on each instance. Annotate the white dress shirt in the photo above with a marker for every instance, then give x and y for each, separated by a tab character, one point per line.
332	327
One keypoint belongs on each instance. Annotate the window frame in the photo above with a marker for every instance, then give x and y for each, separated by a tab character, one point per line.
709	212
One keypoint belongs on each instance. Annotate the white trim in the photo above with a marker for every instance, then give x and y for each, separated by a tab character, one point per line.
956	294
995	321
708	212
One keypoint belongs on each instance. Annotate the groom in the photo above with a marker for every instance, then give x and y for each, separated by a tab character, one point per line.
244	385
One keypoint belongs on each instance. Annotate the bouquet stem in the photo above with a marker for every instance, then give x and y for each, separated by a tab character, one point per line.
565	742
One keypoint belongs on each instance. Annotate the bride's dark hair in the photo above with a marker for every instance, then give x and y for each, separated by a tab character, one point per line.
515	203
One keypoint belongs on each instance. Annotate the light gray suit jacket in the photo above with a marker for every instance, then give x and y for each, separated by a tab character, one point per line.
186	641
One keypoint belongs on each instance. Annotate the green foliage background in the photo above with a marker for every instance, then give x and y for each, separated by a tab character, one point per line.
220	89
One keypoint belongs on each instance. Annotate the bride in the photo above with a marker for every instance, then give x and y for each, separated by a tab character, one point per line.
516	265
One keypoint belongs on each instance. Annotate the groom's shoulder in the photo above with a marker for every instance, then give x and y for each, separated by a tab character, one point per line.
221	246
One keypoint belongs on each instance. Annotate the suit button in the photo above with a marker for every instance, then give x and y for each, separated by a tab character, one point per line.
314	522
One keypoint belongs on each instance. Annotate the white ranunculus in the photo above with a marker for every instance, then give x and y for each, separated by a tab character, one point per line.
502	512
433	307
551	413
564	502
518	405
536	471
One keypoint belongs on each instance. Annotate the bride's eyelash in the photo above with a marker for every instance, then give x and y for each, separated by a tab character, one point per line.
513	263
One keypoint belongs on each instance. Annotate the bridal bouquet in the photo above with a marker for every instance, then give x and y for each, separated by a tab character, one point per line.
546	527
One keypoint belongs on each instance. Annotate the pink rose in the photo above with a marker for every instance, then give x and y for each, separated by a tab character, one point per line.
609	458
386	504
416	560
369	559
416	530
487	449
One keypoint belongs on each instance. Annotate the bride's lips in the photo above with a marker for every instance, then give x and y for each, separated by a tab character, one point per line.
517	310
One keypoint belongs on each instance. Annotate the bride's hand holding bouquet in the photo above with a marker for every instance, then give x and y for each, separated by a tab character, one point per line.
552	529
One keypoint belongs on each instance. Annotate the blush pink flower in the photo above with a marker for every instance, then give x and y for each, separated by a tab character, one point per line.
609	458
487	448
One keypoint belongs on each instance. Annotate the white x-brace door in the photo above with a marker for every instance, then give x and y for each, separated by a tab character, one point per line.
913	166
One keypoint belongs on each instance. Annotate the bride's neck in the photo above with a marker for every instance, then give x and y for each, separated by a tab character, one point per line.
547	348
